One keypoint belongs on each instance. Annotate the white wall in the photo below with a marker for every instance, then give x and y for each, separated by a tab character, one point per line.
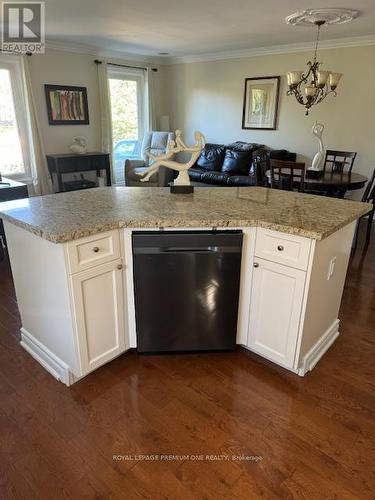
68	68
65	68
207	96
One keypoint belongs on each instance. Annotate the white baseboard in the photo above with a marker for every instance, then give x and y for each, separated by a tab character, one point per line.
319	349
261	355
54	365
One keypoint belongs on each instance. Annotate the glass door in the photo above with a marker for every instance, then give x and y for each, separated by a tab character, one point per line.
127	95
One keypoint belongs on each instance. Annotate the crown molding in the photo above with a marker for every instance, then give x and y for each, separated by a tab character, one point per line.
338	43
83	49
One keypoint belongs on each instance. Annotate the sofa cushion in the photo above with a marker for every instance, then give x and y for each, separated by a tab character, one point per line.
237	162
156	144
214	177
159	140
244	146
195	173
211	158
242	180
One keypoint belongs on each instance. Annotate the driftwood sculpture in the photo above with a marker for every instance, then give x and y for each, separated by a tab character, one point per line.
174	147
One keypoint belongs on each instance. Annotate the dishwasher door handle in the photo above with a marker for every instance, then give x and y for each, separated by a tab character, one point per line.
190	250
184	250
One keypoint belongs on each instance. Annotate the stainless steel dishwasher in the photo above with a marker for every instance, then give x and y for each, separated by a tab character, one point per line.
186	286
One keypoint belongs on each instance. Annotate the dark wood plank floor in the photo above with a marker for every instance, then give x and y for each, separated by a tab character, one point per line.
315	435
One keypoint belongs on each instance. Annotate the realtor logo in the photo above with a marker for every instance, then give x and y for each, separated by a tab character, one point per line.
23	27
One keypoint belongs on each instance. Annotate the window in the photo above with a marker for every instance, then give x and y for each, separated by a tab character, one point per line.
13	154
127	89
11	159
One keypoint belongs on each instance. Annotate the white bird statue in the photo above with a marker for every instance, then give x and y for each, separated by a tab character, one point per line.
79	145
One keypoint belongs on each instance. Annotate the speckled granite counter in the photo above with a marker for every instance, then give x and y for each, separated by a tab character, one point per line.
68	216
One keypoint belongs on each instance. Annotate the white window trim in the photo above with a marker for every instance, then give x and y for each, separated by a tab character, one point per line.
13	64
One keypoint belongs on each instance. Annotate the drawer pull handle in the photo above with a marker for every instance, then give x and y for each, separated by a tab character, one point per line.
95	249
280	248
119	266
256	264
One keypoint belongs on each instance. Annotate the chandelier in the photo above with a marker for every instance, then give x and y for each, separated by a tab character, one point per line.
312	87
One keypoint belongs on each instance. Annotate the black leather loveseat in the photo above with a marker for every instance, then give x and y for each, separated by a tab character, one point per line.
236	164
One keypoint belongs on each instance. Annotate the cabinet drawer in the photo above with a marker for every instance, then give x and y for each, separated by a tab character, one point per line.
100	162
93	250
283	248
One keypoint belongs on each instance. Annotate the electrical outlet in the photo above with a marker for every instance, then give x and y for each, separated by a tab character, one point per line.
331	268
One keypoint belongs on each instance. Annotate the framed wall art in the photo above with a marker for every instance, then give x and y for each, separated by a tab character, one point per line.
67	105
260	103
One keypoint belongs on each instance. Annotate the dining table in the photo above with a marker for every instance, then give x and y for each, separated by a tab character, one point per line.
334	184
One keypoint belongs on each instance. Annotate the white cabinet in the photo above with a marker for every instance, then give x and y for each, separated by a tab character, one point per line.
276	303
98	303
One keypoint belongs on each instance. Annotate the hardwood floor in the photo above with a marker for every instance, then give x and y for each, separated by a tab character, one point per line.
315	435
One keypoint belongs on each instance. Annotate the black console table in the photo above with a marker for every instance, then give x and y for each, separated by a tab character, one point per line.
10	190
60	164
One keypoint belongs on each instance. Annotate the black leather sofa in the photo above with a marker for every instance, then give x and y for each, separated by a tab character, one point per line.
236	164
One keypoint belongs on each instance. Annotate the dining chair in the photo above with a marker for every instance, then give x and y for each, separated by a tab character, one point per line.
287	175
261	165
367	197
339	161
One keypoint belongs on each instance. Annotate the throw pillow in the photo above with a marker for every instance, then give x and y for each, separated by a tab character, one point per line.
211	158
237	162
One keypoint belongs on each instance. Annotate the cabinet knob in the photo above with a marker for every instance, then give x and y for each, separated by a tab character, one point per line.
280	248
119	266
256	264
95	249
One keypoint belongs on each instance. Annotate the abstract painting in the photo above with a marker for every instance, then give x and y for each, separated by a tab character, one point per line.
67	105
260	103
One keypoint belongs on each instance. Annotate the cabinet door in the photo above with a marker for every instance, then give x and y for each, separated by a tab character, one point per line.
276	302
98	300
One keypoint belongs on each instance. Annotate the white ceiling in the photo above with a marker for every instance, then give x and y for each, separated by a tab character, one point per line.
188	28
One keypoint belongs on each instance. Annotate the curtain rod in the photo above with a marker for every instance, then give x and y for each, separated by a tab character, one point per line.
96	61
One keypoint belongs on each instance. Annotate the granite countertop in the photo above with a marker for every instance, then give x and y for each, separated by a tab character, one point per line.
67	216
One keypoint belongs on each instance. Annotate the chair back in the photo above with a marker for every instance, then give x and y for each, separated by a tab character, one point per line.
260	166
155	143
287	175
339	161
369	193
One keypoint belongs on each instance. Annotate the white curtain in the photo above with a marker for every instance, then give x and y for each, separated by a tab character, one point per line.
150	99
41	180
105	108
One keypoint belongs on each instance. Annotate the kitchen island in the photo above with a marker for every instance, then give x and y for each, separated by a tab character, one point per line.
72	264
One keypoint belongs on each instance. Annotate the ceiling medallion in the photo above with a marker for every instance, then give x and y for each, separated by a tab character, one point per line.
311	87
310	17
